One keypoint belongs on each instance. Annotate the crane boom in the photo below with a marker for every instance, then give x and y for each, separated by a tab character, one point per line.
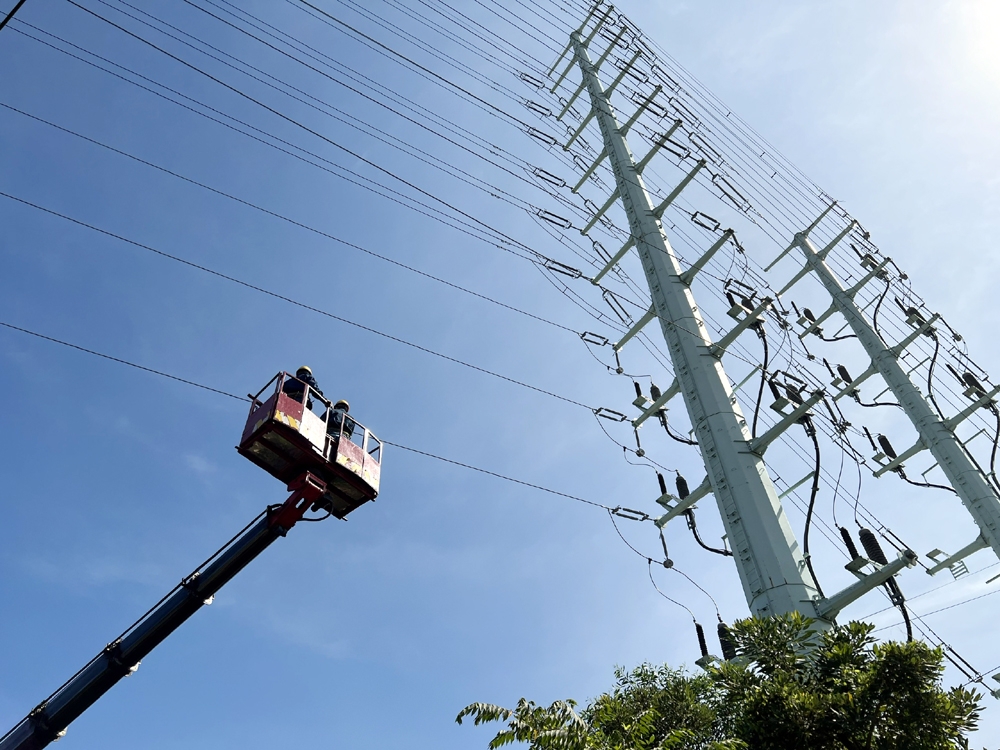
48	721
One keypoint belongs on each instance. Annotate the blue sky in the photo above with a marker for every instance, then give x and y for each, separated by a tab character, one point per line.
454	586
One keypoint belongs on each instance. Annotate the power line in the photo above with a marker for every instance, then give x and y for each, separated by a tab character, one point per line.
291	221
294	302
220	392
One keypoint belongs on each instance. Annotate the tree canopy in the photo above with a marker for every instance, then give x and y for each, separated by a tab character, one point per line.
789	687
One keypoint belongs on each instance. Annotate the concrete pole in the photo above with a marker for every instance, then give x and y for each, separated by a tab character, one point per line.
935	433
771	567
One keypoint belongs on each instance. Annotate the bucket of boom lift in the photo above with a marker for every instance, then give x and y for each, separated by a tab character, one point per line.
293	429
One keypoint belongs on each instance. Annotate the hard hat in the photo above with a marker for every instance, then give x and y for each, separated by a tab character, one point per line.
342	405
306	368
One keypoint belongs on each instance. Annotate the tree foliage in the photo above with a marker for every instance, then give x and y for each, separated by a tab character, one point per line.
790	687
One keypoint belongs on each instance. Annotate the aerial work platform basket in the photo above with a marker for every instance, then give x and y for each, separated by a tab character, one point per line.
286	437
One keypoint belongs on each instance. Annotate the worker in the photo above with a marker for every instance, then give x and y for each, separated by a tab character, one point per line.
295	388
337	417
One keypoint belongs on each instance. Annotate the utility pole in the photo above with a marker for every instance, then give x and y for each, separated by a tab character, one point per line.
936	434
772	570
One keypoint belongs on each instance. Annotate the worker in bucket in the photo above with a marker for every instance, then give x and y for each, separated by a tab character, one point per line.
295	387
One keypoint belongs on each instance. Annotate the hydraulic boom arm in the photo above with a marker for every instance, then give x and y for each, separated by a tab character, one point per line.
120	658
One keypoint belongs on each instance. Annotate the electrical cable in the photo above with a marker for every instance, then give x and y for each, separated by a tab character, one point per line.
296	303
291	221
291	120
240	398
810	429
762	334
649	566
693	525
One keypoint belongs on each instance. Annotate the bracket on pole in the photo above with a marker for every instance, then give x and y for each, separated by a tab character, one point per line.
851	387
625	70
971	409
836	240
639	325
897	462
568	47
978	544
654	407
718	348
682	505
579	131
590	170
901	346
658	211
831	606
642	108
660	142
688	276
759	445
613	262
814	326
876	271
600	212
796	242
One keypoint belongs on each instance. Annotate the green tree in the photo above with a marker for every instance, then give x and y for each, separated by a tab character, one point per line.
790	687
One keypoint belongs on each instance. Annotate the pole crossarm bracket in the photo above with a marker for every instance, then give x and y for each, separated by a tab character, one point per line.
688	276
654	407
832	605
642	108
590	170
972	408
665	204
814	326
627	67
613	262
759	444
897	462
719	348
917	333
682	505
579	131
639	325
660	142
876	271
851	387
600	212
977	544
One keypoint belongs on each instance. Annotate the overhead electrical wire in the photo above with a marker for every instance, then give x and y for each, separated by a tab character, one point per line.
221	392
296	303
291	221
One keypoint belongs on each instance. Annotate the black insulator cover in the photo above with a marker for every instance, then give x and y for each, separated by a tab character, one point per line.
973	382
872	548
849	543
808	315
793	395
701	639
654	391
663	484
726	642
747	303
638	389
732	299
842	371
682	487
886	446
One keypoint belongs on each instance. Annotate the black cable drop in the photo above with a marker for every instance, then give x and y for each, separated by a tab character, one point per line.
763	377
810	429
